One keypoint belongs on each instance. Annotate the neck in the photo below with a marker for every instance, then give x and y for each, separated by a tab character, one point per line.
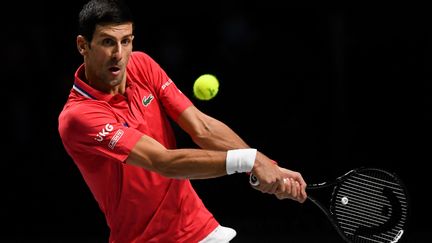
113	87
109	89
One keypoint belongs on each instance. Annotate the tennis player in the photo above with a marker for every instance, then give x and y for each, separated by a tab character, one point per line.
115	126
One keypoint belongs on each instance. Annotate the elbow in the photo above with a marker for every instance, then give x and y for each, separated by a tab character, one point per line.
202	134
164	170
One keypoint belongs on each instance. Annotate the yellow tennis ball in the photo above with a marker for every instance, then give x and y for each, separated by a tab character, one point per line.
206	87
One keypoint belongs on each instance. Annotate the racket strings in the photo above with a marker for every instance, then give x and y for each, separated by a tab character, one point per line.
371	201
370	206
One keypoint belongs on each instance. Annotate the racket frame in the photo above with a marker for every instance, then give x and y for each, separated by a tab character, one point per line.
328	184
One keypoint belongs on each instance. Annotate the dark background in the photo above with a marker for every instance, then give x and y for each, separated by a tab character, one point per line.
320	90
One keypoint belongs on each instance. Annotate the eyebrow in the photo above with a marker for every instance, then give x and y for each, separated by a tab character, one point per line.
113	37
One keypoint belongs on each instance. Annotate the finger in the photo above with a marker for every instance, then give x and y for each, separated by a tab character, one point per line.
275	186
300	179
288	187
280	196
264	188
285	181
302	182
294	188
282	186
304	194
299	192
269	188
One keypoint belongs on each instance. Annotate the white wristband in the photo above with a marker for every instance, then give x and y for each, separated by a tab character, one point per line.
240	160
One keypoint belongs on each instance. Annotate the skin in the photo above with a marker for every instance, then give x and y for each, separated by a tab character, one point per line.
106	58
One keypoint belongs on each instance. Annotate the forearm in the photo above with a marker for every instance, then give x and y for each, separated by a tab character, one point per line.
177	163
192	164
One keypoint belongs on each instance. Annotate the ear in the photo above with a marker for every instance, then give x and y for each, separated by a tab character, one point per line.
81	44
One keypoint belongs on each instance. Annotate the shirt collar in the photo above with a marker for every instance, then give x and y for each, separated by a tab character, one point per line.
86	90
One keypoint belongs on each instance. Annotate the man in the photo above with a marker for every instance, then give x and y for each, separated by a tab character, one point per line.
115	126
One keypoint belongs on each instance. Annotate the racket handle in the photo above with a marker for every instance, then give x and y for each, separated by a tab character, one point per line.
253	180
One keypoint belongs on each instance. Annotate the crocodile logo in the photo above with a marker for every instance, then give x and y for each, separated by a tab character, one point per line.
147	100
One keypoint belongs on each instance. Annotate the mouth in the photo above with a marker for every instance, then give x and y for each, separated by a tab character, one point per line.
114	70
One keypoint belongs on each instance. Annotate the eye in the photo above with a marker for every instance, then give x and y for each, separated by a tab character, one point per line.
107	42
126	42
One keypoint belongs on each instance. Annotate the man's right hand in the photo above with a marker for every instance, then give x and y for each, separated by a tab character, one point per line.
276	180
271	178
295	186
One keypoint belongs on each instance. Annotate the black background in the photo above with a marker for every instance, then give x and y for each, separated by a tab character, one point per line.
319	89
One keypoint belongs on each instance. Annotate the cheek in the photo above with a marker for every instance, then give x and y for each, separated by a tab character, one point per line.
126	55
127	52
100	58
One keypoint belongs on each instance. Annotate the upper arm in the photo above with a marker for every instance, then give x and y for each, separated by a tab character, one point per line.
208	132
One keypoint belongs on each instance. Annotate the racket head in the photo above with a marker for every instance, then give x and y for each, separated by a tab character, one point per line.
367	205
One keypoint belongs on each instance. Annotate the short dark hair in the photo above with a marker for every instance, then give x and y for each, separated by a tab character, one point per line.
101	12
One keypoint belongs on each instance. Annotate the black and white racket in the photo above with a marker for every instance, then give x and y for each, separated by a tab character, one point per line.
363	205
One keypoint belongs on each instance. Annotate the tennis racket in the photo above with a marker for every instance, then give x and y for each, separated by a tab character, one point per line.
363	205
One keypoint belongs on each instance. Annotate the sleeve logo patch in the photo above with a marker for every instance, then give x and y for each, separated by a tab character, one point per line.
115	139
166	84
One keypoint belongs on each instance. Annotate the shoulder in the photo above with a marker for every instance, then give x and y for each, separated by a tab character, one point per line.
141	59
83	113
84	118
140	56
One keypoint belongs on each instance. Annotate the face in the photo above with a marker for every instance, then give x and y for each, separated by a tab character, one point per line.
107	55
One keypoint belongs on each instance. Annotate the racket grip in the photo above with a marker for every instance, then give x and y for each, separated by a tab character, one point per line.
253	180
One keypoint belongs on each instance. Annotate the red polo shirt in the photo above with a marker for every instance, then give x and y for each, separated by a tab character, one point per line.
99	130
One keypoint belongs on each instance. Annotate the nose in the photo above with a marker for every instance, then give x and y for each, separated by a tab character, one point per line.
117	52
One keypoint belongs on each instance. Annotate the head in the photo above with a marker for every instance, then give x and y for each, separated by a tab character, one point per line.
105	41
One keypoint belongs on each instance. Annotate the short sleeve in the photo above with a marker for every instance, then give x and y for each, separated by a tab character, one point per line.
94	129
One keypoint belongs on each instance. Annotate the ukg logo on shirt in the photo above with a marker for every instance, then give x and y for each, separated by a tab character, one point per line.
105	131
